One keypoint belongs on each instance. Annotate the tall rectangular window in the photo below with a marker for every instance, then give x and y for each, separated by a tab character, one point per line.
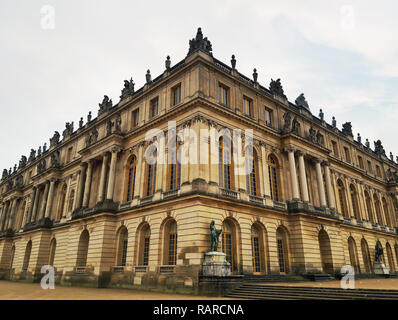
370	167
360	162
347	155
334	146
154	107
223	95
135	117
248	106
176	95
69	154
268	117
378	172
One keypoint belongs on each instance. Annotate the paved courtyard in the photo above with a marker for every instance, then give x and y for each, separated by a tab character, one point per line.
32	291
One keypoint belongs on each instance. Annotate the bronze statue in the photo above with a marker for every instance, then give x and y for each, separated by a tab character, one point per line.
378	252
214	235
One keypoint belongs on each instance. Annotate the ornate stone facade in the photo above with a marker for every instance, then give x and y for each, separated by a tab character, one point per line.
94	208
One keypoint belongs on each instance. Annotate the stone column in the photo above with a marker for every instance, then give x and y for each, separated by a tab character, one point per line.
293	174
382	212
303	177
101	188
260	174
213	159
319	178
45	197
4	217
87	185
139	184
32	201
264	164
32	215
112	174
329	188
79	196
50	198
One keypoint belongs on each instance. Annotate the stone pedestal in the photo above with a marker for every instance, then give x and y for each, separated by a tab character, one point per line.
215	265
380	268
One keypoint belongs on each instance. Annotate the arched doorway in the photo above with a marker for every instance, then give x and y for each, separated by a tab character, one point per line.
82	249
352	248
326	252
366	256
282	247
390	258
228	243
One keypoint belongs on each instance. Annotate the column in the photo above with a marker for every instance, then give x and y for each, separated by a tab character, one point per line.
267	187
33	208
185	157
32	200
45	197
213	159
3	216
50	198
79	195
139	184
112	174
382	212
87	185
361	198
303	177
329	188
293	174
319	178
101	188
260	174
11	214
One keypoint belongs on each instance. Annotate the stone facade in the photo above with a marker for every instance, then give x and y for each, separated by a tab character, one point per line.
92	207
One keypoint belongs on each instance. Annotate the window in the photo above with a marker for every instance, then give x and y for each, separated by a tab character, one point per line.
131	179
170	247
174	166
247	106
135	117
347	155
370	167
69	154
378	210
354	201
334	147
151	176
26	259
154	107
360	162
369	207
53	246
122	247
342	199
256	252
146	242
273	178
71	200
224	162
176	95
223	95
378	172
386	212
228	241
282	246
251	173
62	200
268	117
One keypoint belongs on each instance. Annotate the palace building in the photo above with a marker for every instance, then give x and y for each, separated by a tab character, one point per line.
91	205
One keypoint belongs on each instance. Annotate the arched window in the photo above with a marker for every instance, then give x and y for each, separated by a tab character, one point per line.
354	200
26	259
122	247
225	163
144	243
352	248
131	178
251	171
282	247
71	200
342	199
386	212
174	180
369	207
390	257
228	243
326	252
151	175
273	178
82	249
53	246
366	256
170	242
378	210
257	249
61	205
12	256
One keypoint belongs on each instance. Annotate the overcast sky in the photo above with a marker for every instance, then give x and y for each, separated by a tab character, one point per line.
57	62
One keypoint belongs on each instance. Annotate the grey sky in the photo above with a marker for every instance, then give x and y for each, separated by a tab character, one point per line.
342	55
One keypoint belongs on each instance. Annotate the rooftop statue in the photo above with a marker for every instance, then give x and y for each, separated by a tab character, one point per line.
167	63
379	150
68	130
5	174
89	117
105	105
22	162
321	114
32	155
214	235
302	102
334	122
233	62
276	88
55	139
200	43
367	144
128	89
347	129
359	139
148	76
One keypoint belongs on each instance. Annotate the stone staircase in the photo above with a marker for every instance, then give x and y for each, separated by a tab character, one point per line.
271	278
274	292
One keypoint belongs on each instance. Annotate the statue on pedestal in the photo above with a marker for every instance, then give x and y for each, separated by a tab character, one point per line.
214	235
